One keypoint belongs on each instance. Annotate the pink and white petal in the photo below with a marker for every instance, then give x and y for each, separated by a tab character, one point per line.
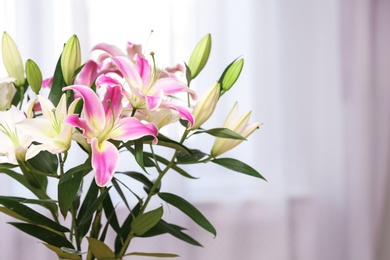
133	49
93	109
154	101
87	74
80	123
105	159
110	49
170	86
112	102
143	68
128	71
185	112
130	128
47	83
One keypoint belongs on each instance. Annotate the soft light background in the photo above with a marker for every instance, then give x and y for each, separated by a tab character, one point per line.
317	73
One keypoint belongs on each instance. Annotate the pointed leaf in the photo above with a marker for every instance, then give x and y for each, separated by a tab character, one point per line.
238	166
69	185
146	221
63	255
138	153
222	133
152	254
58	83
43	234
99	249
118	189
31	215
93	207
183	158
188	209
139	177
90	197
176	231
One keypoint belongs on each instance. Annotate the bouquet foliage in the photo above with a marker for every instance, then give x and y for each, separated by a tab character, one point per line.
116	102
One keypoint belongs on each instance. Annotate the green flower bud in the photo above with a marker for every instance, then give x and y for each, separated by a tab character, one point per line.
70	59
34	76
12	61
199	56
230	75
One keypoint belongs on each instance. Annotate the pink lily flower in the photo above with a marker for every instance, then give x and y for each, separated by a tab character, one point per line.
148	91
101	122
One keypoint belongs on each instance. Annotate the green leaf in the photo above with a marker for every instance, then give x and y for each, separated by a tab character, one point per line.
222	133
188	209
139	177
41	194
167	142
174	167
31	215
200	55
146	221
118	189
230	75
69	185
109	211
152	254
48	236
58	83
99	249
238	166
176	231
125	228
65	255
159	230
183	158
138	153
12	214
89	199
44	162
93	207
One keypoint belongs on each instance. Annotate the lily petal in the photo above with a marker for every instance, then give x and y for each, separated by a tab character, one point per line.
170	86
129	71
184	112
105	158
93	109
143	68
87	74
130	128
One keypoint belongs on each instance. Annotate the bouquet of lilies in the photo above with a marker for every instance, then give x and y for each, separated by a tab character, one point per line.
115	102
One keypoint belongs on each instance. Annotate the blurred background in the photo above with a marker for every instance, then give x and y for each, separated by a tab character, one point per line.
316	73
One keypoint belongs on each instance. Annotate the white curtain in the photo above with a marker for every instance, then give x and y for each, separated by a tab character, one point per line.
315	74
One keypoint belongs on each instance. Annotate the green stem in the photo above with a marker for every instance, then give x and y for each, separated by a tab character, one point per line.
96	225
151	194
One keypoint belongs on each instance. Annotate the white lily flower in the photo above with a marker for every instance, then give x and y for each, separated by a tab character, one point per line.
50	130
13	142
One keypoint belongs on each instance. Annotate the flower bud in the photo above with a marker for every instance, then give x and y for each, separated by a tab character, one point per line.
70	59
34	76
237	124
206	106
12	61
7	93
199	56
230	75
